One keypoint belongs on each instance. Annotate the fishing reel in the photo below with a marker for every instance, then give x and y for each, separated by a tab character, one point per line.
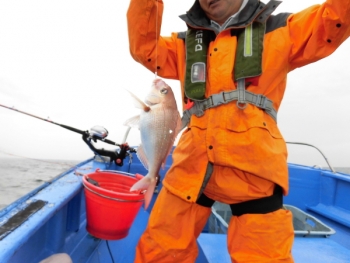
95	133
100	133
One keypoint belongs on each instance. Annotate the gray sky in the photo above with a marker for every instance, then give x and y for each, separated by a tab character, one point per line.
69	60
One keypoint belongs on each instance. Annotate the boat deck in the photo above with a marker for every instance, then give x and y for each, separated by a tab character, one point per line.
304	249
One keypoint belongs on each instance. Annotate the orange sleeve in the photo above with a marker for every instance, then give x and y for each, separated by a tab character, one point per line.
318	31
146	45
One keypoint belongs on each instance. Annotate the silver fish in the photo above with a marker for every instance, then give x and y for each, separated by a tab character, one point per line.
159	123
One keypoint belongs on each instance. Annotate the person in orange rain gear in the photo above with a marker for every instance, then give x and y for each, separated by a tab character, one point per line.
232	64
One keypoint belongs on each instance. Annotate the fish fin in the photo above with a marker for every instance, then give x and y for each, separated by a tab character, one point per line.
133	121
149	193
146	183
142	156
139	103
141	184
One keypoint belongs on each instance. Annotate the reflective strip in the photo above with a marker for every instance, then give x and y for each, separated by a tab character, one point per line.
248	41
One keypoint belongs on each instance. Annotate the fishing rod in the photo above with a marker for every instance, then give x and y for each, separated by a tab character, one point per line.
95	133
99	135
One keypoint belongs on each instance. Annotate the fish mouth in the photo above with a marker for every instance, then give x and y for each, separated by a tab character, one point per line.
157	81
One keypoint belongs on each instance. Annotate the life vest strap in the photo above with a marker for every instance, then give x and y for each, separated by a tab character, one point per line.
241	96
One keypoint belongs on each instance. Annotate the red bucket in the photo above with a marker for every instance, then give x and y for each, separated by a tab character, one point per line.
110	206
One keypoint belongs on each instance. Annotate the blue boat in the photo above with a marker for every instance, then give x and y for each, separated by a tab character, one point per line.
52	219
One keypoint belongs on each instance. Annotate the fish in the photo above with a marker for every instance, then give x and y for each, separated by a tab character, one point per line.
159	123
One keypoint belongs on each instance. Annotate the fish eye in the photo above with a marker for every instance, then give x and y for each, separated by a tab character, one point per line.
164	91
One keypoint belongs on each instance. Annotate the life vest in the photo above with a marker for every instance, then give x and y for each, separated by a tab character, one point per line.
248	66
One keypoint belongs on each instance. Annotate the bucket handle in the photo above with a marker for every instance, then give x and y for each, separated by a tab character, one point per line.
111	198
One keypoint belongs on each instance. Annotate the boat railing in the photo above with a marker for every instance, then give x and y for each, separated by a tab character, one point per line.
324	156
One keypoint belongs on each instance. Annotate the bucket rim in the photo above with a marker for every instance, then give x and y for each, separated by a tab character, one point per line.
114	198
110	193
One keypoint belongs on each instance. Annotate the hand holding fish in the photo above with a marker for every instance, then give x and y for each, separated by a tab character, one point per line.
159	123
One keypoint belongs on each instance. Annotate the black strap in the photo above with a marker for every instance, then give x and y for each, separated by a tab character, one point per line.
260	206
205	201
257	206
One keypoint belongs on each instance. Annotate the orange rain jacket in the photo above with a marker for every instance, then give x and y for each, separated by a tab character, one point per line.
249	139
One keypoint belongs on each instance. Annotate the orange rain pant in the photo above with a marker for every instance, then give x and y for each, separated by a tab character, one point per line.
175	224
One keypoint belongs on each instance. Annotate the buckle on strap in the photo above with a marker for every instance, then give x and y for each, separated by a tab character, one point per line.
217	99
261	101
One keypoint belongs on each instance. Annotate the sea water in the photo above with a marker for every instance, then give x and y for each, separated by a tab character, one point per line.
19	176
